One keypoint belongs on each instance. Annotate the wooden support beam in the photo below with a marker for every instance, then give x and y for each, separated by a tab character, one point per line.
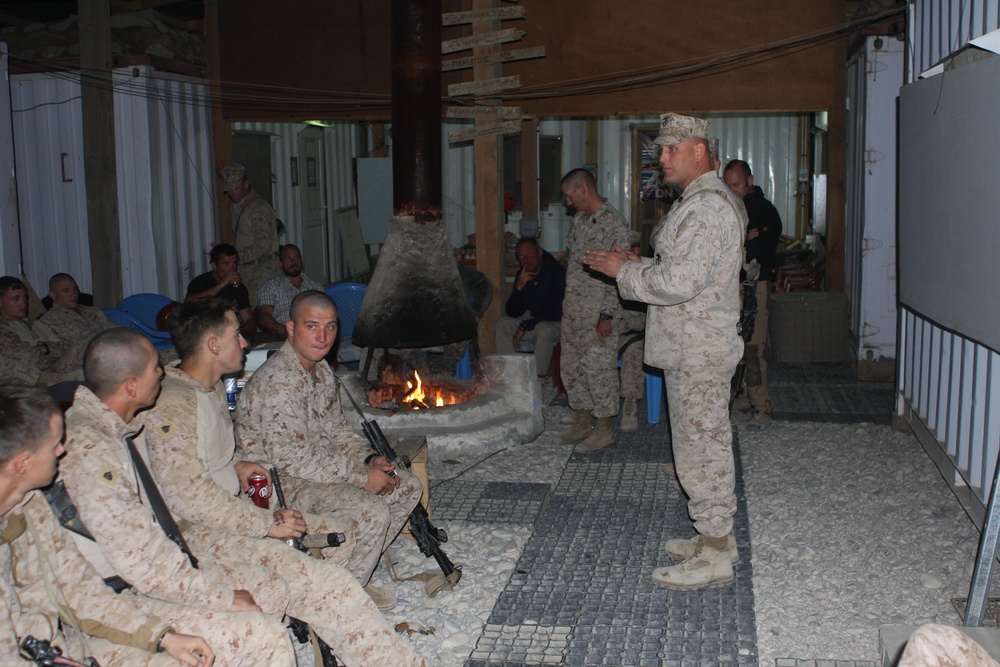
100	164
487	155
222	139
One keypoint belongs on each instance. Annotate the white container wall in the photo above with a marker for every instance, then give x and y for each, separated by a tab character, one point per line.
166	200
939	28
51	191
341	145
875	74
458	184
768	142
166	208
10	244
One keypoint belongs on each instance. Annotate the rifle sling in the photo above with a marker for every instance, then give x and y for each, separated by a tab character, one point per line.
157	504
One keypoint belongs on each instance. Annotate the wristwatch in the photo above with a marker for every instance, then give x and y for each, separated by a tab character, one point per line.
605	316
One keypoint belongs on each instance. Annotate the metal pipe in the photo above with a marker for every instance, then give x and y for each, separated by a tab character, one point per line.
416	109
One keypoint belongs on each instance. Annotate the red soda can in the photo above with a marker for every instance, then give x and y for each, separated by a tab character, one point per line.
260	492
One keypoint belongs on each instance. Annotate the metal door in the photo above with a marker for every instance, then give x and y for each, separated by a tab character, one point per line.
315	229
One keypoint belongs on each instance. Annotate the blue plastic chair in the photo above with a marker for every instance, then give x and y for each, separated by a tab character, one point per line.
145	308
159	339
463	371
348	297
654	394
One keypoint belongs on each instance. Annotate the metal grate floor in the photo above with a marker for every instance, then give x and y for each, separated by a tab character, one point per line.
581	593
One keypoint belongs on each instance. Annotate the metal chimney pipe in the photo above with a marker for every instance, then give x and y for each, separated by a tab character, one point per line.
416	109
415	297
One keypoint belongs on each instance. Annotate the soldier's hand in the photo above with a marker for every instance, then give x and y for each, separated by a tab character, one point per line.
603	329
188	649
246	468
606	262
287	523
380	481
243	601
518	335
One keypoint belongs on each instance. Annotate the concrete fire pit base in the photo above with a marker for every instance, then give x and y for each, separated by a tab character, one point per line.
506	410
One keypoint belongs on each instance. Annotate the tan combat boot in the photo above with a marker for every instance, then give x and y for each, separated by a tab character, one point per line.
710	565
629	421
580	429
600	438
684	549
568	418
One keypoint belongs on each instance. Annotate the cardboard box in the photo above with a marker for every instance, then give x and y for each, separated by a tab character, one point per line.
808	327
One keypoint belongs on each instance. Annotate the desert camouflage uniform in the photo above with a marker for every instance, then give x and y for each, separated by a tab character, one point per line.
252	219
77	325
630	322
189	436
21	360
291	419
39	559
590	366
102	482
692	286
934	645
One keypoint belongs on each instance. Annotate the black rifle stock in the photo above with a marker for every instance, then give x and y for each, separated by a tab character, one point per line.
299	628
42	652
428	538
745	327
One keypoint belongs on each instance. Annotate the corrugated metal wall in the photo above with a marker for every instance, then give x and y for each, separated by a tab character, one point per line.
949	385
341	145
10	243
939	28
874	78
51	191
950	390
166	207
770	144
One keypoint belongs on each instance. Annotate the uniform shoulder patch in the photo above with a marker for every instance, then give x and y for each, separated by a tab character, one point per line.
109	477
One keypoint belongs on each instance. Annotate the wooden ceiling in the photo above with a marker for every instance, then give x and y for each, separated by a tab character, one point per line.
179	14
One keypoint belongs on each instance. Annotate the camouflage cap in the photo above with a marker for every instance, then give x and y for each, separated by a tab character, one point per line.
233	176
675	128
713	148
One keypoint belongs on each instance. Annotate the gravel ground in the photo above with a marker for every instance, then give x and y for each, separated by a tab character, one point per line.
852	527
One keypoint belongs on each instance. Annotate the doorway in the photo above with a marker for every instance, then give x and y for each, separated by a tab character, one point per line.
315	226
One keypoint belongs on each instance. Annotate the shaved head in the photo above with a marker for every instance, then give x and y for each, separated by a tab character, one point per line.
112	357
311	299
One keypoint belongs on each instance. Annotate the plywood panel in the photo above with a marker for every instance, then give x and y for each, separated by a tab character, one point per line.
343	46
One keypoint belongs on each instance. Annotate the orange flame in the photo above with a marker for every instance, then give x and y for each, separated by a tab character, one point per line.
419	394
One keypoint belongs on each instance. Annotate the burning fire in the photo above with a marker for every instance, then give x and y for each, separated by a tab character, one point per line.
417	395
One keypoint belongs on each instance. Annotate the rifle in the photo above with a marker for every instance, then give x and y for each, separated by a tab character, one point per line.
299	628
44	654
307	541
745	327
428	538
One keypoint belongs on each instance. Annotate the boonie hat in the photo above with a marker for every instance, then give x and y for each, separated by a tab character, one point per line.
675	128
